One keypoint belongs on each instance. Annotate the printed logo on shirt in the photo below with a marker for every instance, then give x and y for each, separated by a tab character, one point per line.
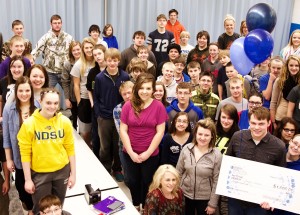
43	135
175	149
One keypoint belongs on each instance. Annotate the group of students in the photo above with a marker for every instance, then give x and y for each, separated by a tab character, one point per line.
148	113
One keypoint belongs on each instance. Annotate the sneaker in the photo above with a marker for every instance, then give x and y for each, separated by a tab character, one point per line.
119	176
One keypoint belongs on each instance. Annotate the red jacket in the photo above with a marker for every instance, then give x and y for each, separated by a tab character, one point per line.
176	29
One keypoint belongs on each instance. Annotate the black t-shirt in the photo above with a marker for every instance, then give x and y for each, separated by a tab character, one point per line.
90	83
225	40
222	78
5	89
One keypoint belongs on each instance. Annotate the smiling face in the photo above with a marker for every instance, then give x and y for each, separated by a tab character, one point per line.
236	89
202	42
294	146
49	104
229	26
18	30
296	39
168	183
88	50
17	69
24	93
293	67
203	137
173	54
112	64
109	31
143	55
17	48
288	132
258	128
168	73
159	92
145	92
37	78
226	121
206	83
181	123
76	52
254	101
213	51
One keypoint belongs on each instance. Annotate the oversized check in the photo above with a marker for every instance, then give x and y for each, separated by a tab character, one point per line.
258	182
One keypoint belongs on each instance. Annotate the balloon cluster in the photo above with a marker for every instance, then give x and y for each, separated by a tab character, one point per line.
257	46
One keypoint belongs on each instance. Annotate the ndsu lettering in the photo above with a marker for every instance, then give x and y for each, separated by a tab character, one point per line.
43	135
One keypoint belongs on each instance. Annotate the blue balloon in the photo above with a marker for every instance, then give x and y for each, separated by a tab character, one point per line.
239	58
258	45
261	16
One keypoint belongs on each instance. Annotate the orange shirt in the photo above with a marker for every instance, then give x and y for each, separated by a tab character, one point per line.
176	29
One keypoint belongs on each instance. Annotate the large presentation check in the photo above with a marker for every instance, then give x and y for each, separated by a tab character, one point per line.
258	182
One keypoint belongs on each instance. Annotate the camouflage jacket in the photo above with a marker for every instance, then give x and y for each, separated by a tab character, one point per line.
54	49
6	49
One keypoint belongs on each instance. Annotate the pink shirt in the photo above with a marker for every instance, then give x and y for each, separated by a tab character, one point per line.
142	129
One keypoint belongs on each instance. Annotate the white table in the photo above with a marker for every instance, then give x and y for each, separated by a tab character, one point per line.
89	170
77	205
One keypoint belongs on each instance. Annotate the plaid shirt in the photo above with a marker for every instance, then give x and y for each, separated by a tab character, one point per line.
117	118
207	102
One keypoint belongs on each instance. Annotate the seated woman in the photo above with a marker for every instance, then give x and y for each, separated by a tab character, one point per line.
180	134
165	196
286	130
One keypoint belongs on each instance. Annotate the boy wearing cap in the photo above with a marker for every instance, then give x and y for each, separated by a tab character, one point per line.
159	39
174	51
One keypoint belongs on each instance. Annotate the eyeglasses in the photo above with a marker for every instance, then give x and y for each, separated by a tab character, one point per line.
56	211
289	130
181	121
254	103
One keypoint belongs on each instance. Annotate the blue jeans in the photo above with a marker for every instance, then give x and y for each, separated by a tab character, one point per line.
236	207
55	82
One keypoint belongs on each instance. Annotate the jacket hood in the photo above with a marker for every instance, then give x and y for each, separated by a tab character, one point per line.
174	105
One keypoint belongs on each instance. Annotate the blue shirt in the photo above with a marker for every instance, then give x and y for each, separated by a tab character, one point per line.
263	83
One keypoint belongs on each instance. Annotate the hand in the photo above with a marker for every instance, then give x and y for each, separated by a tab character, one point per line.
210	210
135	157
1	118
144	156
68	103
266	206
274	125
10	165
272	77
71	181
78	102
29	187
5	187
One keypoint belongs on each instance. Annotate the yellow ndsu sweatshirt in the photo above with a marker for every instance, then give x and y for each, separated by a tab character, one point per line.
46	144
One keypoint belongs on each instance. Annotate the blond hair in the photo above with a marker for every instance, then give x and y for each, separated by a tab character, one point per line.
159	174
84	62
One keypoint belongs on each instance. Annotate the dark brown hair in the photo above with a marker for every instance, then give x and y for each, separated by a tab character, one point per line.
15	58
136	101
43	69
206	123
172	128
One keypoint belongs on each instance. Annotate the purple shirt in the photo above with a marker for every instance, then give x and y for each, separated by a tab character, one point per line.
4	66
142	129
